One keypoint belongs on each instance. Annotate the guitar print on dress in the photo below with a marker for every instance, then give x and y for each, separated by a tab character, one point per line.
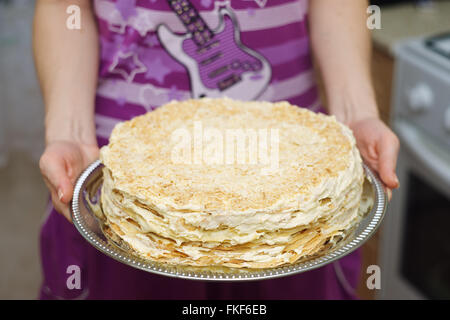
217	62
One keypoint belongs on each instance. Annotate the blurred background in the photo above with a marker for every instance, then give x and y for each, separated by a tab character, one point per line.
411	72
23	194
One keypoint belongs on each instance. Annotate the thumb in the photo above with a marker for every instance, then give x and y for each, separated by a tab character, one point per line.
55	169
388	151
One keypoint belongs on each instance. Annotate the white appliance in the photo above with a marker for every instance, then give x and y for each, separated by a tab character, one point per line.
415	248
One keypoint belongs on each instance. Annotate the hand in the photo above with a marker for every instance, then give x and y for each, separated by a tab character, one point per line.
61	164
379	147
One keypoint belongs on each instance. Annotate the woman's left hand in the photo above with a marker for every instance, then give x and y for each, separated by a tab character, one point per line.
379	147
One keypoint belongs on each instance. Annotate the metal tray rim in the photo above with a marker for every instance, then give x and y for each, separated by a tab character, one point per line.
376	216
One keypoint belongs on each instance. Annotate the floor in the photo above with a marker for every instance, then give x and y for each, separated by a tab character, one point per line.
23	198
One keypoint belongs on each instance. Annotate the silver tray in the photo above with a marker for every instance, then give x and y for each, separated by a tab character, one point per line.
87	193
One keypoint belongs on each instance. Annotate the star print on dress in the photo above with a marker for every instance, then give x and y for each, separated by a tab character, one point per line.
118	40
151	40
156	70
174	94
142	23
150	97
116	23
108	49
120	94
130	32
126	42
127	8
127	65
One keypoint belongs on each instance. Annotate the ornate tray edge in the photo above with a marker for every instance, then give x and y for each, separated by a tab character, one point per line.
184	272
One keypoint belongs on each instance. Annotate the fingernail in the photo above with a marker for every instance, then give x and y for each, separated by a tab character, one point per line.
389	194
60	194
397	182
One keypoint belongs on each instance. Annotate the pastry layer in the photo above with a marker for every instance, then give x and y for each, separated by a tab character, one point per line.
232	214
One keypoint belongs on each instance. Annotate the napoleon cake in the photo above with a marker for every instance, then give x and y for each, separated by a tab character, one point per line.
220	182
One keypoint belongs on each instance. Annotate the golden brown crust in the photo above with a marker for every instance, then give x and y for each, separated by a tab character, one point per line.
312	146
238	214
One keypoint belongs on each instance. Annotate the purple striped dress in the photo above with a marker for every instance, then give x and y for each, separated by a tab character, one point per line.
154	51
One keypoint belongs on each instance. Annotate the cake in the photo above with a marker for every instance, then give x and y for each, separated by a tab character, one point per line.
291	190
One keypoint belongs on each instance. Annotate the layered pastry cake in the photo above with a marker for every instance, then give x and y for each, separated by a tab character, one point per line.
219	182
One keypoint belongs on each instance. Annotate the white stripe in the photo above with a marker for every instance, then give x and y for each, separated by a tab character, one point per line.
147	19
291	87
316	105
150	96
105	125
142	94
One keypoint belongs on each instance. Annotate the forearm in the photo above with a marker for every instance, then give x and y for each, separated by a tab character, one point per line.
341	45
67	65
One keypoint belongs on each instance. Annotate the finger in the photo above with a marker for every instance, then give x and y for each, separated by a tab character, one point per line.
67	213
388	193
49	185
57	204
61	207
78	161
74	167
369	154
388	152
53	195
54	169
372	153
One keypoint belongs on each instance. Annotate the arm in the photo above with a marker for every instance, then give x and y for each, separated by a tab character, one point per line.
342	46
67	65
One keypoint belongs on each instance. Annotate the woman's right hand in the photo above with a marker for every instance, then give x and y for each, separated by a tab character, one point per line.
61	164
